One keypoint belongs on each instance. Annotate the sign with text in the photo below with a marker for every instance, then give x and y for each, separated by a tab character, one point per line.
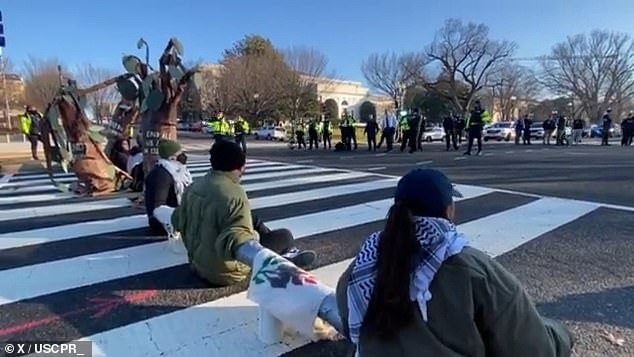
78	150
151	141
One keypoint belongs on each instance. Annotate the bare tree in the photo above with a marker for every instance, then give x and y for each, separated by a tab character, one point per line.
466	56
42	80
512	86
595	70
253	85
389	73
308	71
102	100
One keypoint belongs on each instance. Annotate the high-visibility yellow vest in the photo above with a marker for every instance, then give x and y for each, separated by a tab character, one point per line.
244	124
25	124
404	123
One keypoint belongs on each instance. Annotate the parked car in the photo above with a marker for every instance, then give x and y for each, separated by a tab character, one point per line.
500	131
183	125
270	133
537	130
433	134
596	131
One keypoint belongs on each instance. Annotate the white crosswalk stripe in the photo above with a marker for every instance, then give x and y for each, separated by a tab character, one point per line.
60	254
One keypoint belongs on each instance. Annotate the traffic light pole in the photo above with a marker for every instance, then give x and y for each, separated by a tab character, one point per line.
7	112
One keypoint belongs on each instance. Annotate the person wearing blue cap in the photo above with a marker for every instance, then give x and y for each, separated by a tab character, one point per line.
416	288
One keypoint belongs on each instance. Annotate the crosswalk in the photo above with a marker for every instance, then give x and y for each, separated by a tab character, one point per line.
86	268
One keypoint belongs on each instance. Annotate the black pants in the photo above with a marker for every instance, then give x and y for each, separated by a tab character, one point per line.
300	141
352	132
371	141
34	139
313	138
475	134
326	137
527	137
405	137
414	140
560	136
451	138
242	141
278	240
419	138
626	139
604	137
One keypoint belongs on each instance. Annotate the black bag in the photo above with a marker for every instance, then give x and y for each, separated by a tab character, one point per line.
340	146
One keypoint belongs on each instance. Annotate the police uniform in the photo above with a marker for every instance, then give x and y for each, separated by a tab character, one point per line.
474	127
327	133
241	128
607	125
30	124
313	135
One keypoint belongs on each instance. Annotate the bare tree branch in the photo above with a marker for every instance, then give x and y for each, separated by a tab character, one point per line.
41	80
308	70
387	72
465	55
101	100
514	84
595	70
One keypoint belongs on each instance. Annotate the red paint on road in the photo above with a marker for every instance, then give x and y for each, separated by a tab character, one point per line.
102	307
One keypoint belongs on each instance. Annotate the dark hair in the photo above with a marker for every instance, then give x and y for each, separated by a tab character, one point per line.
390	309
226	156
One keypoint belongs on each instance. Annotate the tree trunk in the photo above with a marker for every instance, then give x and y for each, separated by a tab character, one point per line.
95	173
119	125
156	126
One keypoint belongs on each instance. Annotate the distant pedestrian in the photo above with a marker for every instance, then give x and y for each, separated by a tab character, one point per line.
451	137
577	131
527	130
627	130
313	135
519	129
371	128
416	129
606	126
475	125
388	129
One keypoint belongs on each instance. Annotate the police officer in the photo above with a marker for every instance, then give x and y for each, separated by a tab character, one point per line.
241	129
449	124
327	131
313	135
415	131
627	128
371	129
300	132
474	127
527	129
519	128
30	123
404	125
607	125
221	127
561	130
548	126
460	126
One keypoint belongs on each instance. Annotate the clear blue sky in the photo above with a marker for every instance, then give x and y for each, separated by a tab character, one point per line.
100	31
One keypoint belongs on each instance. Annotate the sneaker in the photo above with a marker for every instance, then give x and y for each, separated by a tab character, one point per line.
479	153
301	258
467	153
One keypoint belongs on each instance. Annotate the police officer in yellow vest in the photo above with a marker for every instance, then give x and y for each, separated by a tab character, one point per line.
404	124
313	134
30	123
241	129
221	128
349	130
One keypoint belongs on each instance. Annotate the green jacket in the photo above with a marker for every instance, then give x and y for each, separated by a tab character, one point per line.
214	218
477	309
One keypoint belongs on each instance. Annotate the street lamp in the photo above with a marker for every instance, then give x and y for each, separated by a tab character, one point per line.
255	109
513	100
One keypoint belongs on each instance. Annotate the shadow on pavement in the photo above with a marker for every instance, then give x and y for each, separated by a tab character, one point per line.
610	307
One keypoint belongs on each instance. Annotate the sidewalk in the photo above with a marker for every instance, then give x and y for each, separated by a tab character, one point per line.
19	150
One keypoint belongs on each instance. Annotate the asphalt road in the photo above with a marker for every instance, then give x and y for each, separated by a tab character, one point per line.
580	270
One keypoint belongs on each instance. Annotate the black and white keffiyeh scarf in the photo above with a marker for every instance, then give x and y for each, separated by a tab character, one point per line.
182	177
438	240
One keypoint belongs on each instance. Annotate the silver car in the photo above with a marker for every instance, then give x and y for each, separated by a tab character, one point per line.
500	131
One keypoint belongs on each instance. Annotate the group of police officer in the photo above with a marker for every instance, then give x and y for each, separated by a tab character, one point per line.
236	130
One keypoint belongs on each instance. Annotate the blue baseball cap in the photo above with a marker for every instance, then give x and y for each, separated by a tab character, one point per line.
425	190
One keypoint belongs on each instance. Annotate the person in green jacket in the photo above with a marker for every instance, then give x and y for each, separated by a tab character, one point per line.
30	123
416	288
214	219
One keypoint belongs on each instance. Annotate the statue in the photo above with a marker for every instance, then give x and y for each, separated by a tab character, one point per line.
76	144
158	95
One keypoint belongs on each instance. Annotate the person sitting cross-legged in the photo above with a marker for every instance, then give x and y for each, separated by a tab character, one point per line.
416	288
215	218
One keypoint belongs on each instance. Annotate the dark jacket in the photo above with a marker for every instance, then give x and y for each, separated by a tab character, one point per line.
475	120
561	123
371	127
478	309
159	190
607	122
449	124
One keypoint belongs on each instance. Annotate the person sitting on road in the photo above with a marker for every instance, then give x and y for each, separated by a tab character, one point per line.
166	182
134	167
417	289
215	218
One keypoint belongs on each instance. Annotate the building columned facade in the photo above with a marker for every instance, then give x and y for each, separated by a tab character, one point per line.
336	95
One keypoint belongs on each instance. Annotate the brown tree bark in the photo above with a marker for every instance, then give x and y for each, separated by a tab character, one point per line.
95	173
